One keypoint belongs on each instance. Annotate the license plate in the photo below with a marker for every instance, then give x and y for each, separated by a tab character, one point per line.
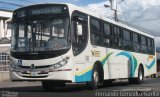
34	73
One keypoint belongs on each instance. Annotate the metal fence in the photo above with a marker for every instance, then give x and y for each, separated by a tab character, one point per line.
4	62
4	68
4	65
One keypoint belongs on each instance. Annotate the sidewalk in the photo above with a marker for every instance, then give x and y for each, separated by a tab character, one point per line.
4	76
8	84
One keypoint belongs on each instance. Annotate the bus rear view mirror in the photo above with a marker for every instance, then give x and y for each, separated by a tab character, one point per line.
7	29
79	29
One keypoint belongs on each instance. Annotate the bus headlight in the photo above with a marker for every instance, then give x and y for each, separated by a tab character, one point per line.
60	64
14	65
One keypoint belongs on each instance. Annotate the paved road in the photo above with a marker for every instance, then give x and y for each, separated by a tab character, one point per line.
150	87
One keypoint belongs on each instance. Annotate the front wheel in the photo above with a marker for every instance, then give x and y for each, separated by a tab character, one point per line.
95	80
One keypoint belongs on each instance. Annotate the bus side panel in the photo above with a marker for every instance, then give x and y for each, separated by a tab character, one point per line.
147	61
86	60
150	65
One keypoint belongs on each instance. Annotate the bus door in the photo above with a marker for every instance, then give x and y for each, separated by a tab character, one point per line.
79	42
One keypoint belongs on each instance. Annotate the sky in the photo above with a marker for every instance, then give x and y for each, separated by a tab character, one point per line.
76	2
144	14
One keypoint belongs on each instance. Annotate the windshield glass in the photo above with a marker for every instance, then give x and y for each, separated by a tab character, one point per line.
40	35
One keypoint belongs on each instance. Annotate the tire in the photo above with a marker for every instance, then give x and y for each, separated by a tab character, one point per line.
140	77
94	84
48	85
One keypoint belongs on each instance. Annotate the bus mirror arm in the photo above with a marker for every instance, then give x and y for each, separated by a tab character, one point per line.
6	28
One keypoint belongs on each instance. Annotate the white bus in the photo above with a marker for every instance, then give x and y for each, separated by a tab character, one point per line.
63	43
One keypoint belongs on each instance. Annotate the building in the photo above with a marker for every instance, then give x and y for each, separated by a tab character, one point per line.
5	42
158	63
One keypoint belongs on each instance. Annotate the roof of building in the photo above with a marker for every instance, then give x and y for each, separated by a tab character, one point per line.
6	10
5	41
5	49
5	14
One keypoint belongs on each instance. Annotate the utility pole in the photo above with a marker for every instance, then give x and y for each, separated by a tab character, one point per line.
114	7
116	17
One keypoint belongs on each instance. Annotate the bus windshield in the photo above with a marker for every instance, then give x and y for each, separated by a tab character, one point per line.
40	35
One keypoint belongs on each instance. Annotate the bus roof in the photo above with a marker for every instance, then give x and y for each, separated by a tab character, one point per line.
73	7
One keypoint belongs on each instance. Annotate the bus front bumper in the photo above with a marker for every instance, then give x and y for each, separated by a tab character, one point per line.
59	75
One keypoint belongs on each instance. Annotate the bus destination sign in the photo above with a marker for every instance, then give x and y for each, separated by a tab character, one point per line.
47	10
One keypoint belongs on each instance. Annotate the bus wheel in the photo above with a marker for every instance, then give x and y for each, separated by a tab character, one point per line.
48	85
140	77
95	80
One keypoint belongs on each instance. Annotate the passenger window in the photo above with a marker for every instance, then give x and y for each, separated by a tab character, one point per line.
96	35
143	45
135	38
153	46
107	30
126	35
116	31
95	25
143	40
135	44
149	46
107	39
116	37
126	40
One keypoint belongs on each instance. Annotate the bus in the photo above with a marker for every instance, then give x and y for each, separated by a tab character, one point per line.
63	43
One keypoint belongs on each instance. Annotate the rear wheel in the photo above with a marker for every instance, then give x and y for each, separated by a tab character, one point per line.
140	77
48	85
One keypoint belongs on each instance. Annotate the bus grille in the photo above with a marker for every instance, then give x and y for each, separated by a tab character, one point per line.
36	67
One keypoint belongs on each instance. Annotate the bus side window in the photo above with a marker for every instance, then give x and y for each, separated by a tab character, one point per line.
126	40
95	28
107	40
117	37
153	46
149	46
143	44
136	46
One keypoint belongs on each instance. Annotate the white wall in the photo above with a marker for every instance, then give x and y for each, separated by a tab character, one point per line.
3	16
6	14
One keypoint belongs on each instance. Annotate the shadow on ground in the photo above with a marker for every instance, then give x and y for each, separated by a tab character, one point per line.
67	88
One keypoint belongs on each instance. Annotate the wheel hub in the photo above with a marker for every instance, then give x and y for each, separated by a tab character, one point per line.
140	76
96	78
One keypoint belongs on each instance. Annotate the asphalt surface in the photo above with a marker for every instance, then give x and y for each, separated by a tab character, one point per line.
150	87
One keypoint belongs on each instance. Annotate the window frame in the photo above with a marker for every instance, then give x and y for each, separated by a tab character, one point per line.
73	33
